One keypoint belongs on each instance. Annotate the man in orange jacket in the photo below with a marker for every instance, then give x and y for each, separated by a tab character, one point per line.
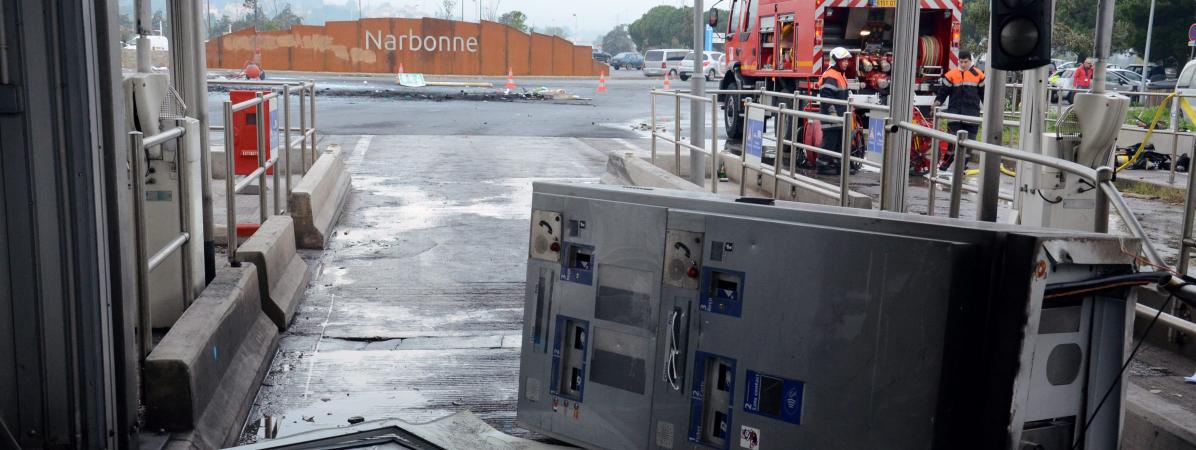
964	86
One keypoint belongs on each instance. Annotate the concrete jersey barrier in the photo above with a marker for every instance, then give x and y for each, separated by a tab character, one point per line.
282	274
317	201
197	370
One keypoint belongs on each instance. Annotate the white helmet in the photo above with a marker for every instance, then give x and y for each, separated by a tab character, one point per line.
840	53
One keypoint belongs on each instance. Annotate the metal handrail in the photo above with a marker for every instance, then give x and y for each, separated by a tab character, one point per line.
146	263
676	138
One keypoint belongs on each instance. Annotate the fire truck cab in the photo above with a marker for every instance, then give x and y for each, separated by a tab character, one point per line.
782	45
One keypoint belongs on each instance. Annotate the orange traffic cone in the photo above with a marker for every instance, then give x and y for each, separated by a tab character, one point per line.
510	79
400	68
666	81
602	82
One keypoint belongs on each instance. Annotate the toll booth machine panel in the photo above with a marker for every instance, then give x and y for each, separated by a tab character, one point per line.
669	320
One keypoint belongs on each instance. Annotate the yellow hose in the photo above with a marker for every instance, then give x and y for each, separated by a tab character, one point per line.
1005	170
1158	113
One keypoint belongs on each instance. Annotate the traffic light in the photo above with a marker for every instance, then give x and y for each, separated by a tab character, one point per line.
1021	34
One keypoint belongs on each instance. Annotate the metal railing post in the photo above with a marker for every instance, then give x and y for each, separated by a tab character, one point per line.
890	133
145	320
1185	247
652	95
184	220
747	106
677	135
845	159
286	152
314	146
794	149
779	126
1174	137
303	129
260	113
1104	174
934	167
714	143
958	173
230	185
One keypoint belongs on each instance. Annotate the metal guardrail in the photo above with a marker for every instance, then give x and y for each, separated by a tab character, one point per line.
307	111
146	263
1102	177
675	139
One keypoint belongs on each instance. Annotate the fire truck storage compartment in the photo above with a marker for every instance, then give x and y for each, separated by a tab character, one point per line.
871	30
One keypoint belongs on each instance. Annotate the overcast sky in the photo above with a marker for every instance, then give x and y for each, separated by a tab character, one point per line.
593	17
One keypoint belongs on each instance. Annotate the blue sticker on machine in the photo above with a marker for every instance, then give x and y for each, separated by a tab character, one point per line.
775	397
577	265
722	291
876	135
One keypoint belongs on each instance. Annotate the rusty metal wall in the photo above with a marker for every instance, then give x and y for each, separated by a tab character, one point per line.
461	48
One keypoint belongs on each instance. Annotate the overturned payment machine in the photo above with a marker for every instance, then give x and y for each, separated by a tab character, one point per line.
657	319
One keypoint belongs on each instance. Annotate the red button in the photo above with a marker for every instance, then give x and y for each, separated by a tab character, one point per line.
693	272
556	247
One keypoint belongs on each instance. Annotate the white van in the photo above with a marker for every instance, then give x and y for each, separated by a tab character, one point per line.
662	61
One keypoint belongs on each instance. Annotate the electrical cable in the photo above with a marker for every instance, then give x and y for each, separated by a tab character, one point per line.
670	361
1073	288
1158	113
1083	431
8	436
1057	201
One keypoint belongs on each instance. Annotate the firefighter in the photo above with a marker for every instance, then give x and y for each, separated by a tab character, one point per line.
964	85
833	84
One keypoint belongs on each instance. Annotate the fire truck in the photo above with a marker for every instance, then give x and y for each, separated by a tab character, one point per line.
782	45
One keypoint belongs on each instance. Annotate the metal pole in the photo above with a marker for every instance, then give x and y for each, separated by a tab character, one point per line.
776	159
286	149
1146	57
652	95
1185	251
1104	42
185	220
845	160
303	129
1104	174
260	110
793	149
677	135
747	105
895	170
314	141
992	128
714	144
1174	138
957	175
230	186
145	320
697	86
144	29
932	186
1030	128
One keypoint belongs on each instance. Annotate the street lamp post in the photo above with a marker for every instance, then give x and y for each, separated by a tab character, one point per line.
1146	52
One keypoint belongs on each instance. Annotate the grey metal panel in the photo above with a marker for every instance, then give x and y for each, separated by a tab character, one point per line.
908	332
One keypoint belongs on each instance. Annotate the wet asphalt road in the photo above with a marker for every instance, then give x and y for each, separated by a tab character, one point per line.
368	105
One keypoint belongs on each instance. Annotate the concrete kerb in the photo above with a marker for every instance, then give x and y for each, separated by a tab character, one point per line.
1151	423
282	274
317	201
798	188
201	376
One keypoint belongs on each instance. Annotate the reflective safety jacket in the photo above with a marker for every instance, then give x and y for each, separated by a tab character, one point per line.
966	90
832	85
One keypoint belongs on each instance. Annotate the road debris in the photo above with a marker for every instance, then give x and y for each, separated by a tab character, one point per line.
356	420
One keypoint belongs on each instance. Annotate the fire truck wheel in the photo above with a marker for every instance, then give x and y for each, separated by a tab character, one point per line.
733	108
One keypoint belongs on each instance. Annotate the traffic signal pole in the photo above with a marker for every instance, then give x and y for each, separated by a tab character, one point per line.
895	177
1104	42
697	110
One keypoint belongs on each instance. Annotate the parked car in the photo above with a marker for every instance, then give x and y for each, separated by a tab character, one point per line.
711	68
1117	80
663	61
602	57
1157	73
630	60
1186	83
